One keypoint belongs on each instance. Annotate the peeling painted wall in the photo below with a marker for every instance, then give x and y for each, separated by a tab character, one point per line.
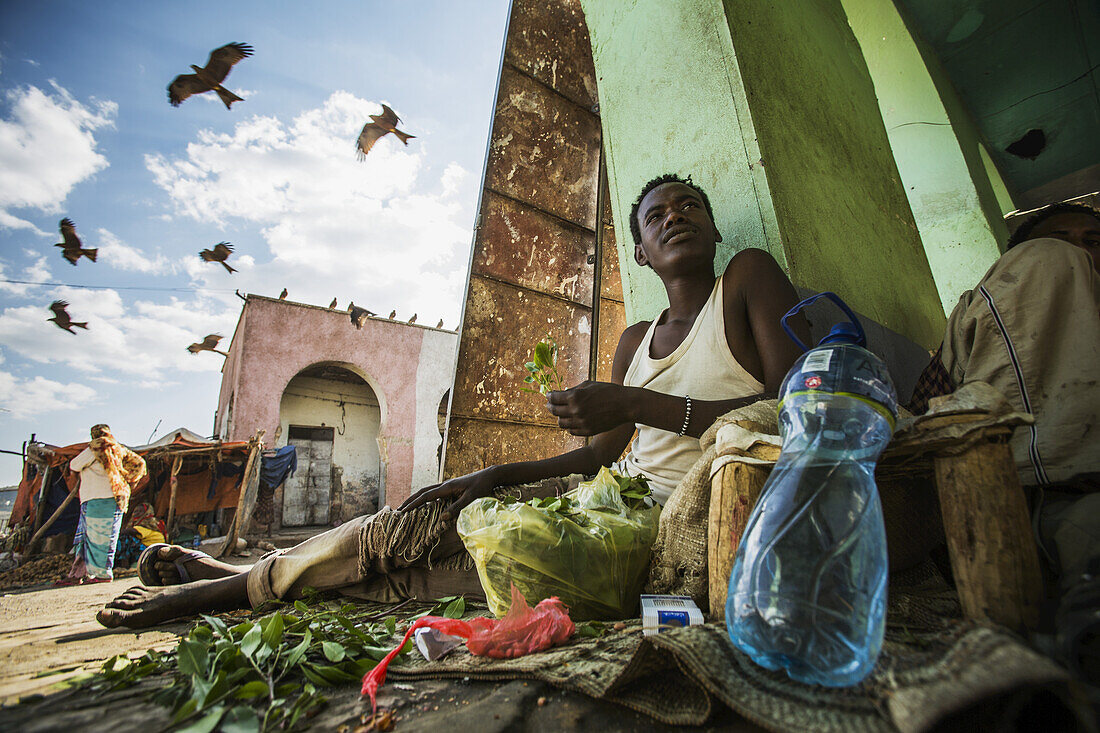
536	258
275	340
937	149
770	106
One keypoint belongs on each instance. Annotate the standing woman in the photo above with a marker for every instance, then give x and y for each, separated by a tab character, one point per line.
108	471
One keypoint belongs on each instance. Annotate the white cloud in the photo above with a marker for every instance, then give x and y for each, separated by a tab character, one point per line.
387	232
140	343
26	397
39	272
51	132
115	252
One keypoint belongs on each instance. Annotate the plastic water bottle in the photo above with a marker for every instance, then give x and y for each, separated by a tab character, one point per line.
807	593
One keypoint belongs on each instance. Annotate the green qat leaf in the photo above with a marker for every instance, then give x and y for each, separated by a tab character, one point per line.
299	651
455	609
272	633
391	624
215	623
192	657
206	723
251	641
542	355
241	719
185	710
333	652
255	688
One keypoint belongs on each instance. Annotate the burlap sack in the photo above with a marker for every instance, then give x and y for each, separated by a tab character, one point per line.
679	562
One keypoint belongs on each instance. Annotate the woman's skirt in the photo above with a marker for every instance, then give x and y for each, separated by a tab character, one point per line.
97	536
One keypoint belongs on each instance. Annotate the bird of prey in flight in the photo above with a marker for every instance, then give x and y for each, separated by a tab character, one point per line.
358	315
71	248
62	319
211	76
382	124
209	343
220	253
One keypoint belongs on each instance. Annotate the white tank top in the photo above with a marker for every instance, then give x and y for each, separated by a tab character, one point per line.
701	367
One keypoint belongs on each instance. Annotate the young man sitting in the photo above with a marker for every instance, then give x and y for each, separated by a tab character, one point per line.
718	346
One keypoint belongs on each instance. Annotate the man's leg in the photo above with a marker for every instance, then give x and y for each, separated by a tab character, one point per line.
329	561
326	561
140	607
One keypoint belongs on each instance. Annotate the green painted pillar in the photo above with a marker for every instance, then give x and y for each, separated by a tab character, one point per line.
769	105
952	192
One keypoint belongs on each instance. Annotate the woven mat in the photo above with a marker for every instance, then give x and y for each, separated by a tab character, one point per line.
932	666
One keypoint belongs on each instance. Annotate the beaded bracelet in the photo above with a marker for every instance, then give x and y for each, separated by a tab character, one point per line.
687	416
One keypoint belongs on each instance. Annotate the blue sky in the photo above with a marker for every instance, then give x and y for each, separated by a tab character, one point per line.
86	131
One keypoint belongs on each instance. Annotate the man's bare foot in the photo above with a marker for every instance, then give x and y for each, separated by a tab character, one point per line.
163	564
140	607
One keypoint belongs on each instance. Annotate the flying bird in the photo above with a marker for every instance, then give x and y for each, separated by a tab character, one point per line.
71	246
207	344
382	124
220	253
62	319
413	319
358	315
211	76
282	295
440	324
332	304
393	313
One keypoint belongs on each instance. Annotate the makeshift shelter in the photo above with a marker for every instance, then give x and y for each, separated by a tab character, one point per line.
187	476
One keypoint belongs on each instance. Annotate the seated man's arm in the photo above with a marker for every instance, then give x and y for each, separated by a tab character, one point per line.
604	448
757	295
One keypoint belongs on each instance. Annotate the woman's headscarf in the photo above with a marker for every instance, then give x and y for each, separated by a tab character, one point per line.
124	467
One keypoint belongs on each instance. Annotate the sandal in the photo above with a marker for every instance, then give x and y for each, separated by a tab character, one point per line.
67	581
89	581
148	575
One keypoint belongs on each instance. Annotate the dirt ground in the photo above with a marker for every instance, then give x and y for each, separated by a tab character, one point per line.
48	634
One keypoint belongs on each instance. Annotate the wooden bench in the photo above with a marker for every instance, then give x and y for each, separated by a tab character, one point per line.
981	510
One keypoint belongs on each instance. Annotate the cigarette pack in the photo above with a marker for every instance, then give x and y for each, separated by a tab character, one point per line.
661	613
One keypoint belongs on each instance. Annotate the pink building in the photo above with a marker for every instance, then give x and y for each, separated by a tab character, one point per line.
364	408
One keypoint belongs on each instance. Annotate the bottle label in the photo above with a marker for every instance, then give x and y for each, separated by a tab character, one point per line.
818	361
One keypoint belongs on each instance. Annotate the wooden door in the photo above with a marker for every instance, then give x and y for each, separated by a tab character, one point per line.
307	494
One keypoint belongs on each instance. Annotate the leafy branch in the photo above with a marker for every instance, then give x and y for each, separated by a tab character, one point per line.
543	369
263	675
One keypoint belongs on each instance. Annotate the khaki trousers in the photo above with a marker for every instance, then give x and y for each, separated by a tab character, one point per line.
330	561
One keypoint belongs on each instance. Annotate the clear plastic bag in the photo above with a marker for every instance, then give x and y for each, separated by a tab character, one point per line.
590	549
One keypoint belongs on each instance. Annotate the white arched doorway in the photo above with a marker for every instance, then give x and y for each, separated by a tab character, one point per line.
333	418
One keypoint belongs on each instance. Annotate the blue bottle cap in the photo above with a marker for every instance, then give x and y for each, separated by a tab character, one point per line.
845	333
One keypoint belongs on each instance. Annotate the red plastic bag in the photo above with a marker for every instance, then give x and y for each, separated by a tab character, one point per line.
522	630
